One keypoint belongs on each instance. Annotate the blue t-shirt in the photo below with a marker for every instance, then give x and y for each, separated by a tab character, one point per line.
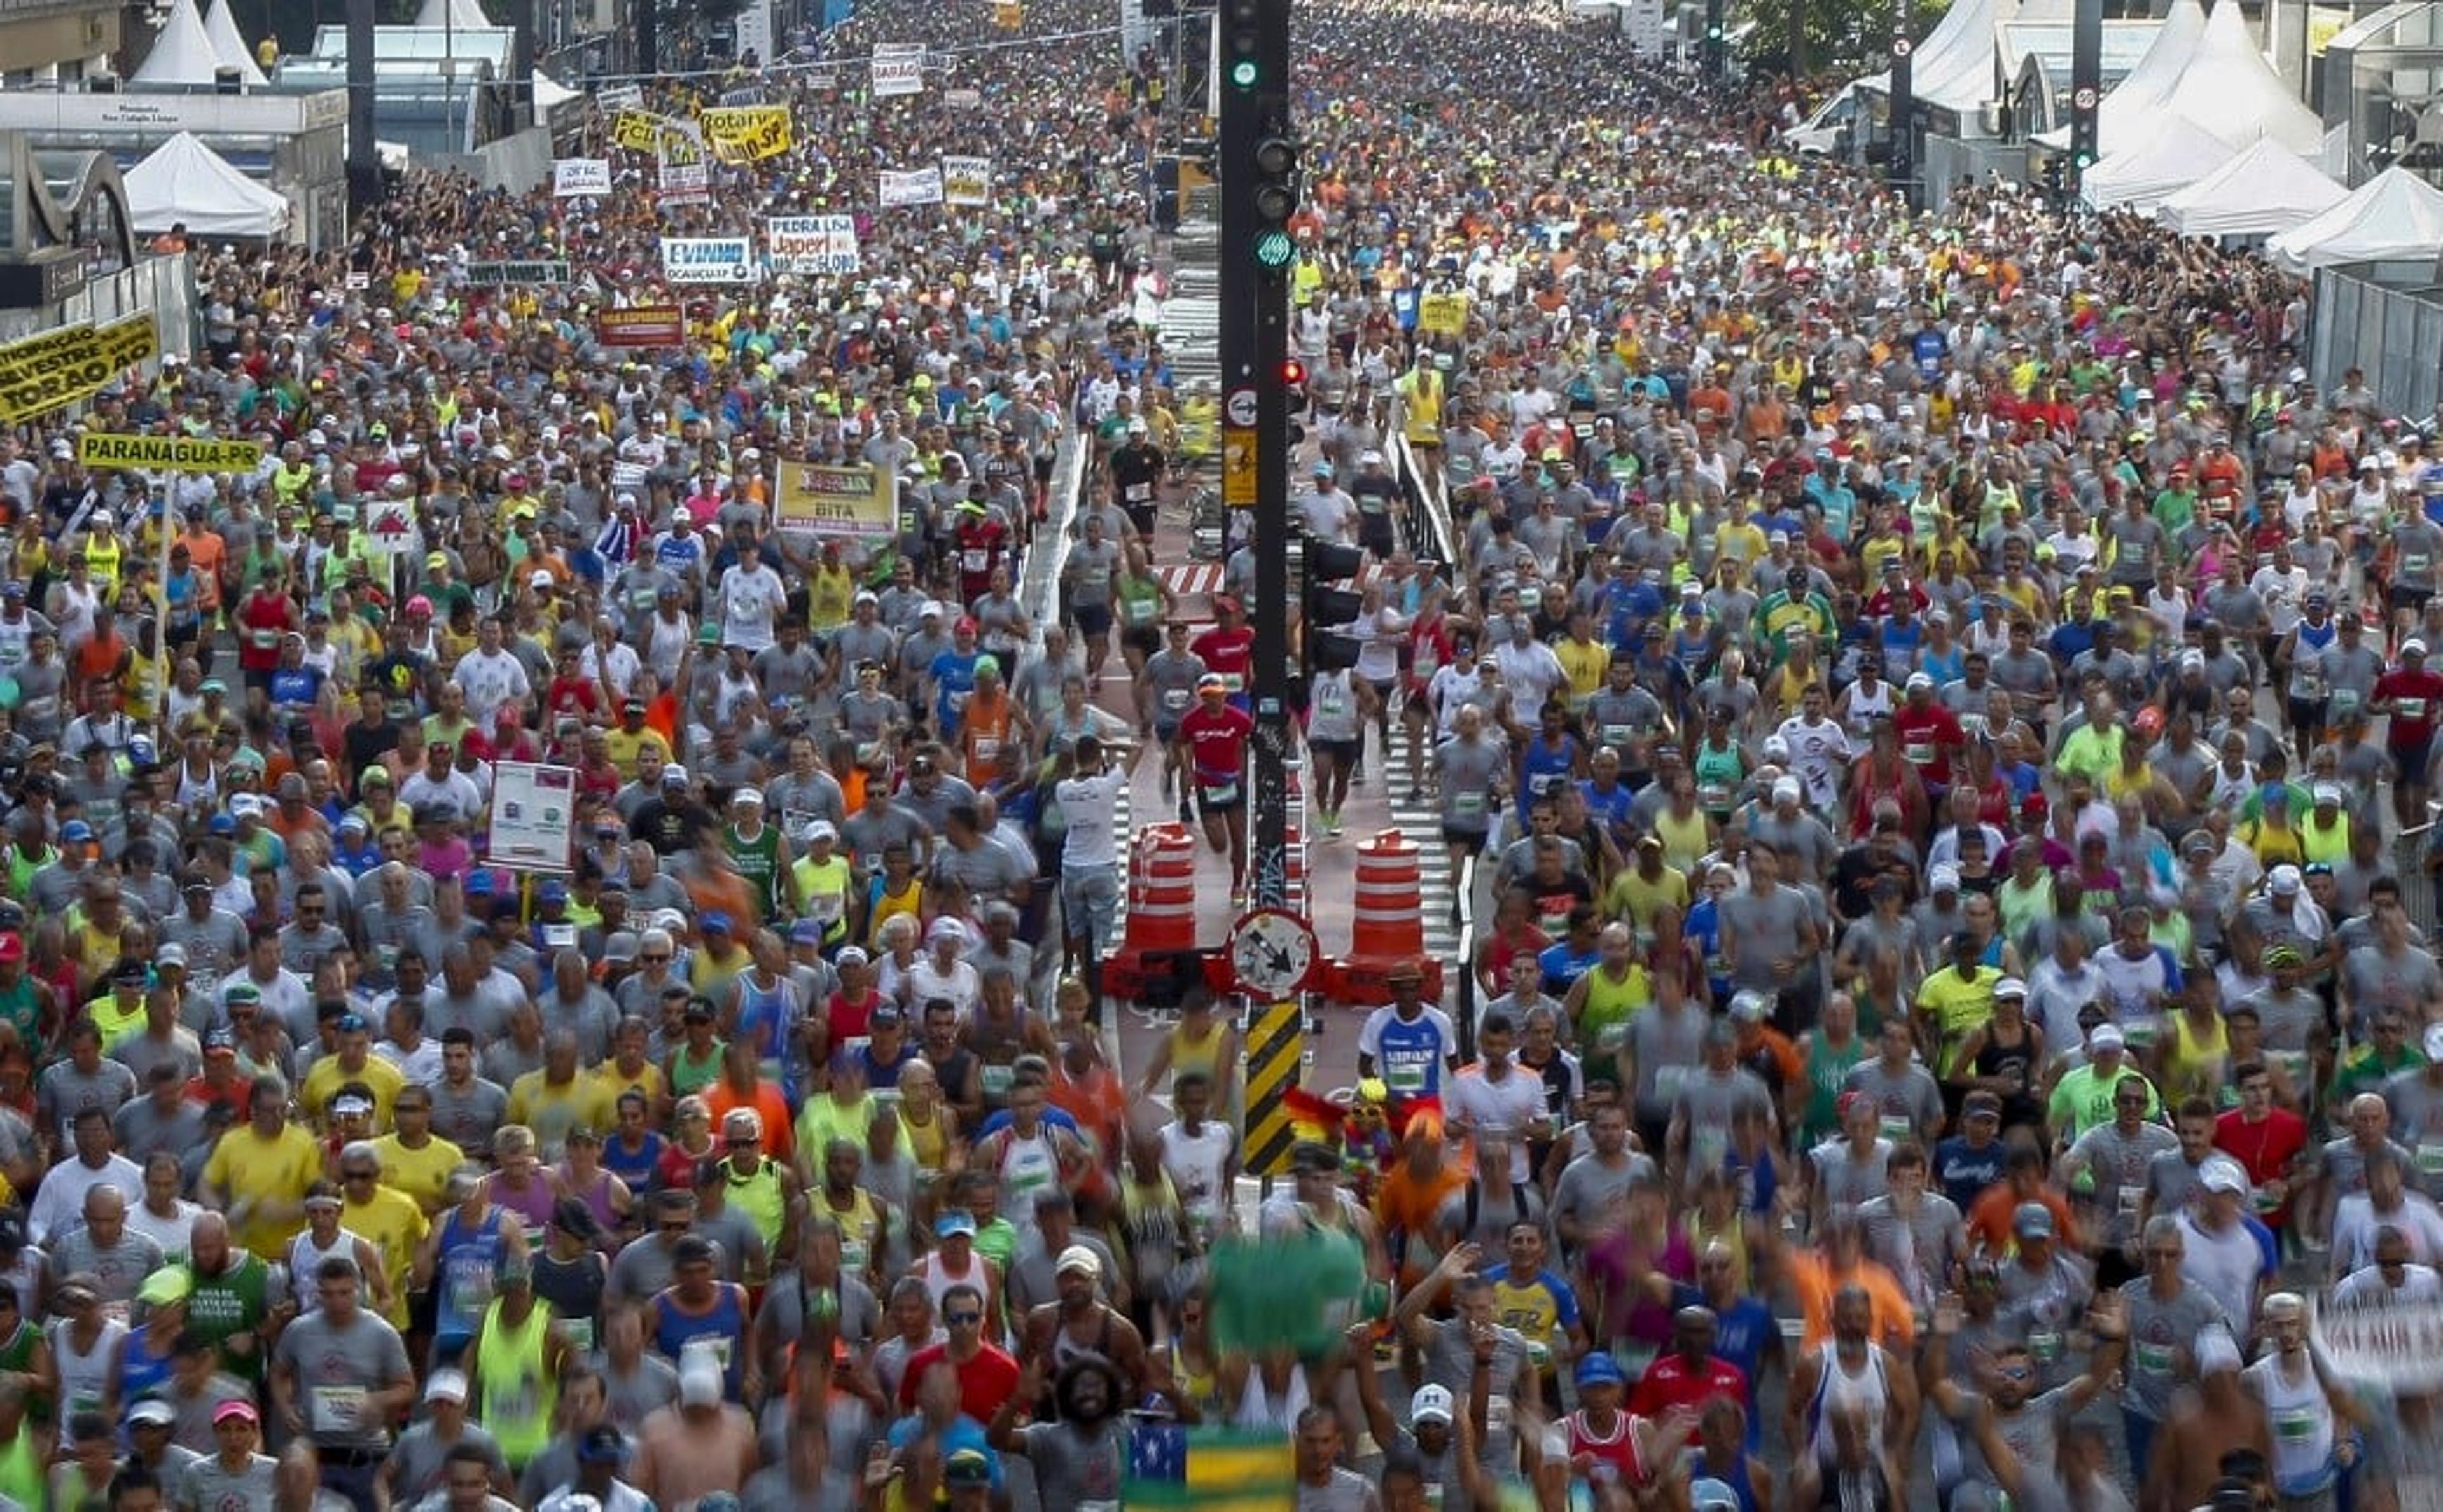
954	678
1409	1056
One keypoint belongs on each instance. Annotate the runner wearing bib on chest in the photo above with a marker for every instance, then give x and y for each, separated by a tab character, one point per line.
1408	1043
1213	739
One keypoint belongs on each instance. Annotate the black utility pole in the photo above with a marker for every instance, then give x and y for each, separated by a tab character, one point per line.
2085	90
364	163
1903	166
1258	159
1717	44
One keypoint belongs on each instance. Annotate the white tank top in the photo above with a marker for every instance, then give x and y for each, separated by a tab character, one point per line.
939	1278
85	1378
1027	1167
1838	1387
305	1263
1258	1410
2302	1421
1865	710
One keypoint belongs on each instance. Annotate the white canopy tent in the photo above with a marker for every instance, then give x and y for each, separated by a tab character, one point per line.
182	53
2176	156
1960	44
457	15
548	92
2231	91
2263	190
186	182
2123	118
2394	216
229	45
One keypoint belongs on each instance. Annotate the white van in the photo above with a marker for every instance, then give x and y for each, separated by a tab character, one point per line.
1821	134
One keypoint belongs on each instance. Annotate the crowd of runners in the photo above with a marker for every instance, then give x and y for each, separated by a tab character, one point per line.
1943	699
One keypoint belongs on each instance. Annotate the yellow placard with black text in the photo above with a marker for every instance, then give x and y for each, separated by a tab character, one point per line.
746	133
42	372
638	131
169	453
1443	314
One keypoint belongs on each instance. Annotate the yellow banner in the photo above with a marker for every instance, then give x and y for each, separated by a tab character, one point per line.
169	453
746	133
640	131
1443	314
860	502
42	372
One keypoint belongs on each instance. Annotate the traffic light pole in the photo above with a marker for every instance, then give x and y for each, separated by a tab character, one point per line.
2085	90
1902	165
1258	163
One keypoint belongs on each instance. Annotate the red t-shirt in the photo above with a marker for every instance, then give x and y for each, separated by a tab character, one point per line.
845	1021
984	1382
1617	1448
1232	654
1931	727
1217	743
2420	691
2263	1150
1671	1381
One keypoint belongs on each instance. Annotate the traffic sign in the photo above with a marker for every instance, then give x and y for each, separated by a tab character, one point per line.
2083	100
1241	408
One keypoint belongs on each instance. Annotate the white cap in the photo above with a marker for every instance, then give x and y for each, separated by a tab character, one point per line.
2222	1174
2010	987
2435	1042
699	1383
2284	877
2105	1037
1920	679
1431	1404
1945	878
2412	647
1078	1257
446	1386
1788	791
2215	1352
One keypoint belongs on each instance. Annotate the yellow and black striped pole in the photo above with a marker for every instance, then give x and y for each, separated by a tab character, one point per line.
1275	1055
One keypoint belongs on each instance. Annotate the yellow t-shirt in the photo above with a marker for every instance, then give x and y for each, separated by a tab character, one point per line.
421	1175
1585	664
1533	1310
326	1076
552	1111
116	1023
1957	1003
254	1171
394	1225
623	746
1635	898
617	1084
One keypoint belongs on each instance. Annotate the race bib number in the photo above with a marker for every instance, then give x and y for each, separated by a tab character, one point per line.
1919	753
1467	805
2154	1359
2409	708
1220	792
1713	795
640	598
1176	699
337	1409
1668	1079
2430	1160
1141	612
997	1079
2416	564
1894	1128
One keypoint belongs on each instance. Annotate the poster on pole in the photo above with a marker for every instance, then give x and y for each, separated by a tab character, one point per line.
966	180
755	33
910	186
573	176
534	815
390	528
898	70
611	98
747	133
858	503
2372	1339
686	170
42	372
812	243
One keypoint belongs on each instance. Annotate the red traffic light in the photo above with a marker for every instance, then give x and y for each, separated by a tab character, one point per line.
1294	372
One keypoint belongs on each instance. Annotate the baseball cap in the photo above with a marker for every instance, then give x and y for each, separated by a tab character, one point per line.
699	1383
603	1444
1078	1257
240	1409
2223	1174
2435	1042
2032	1220
1596	1368
152	1411
956	1221
2105	1037
1432	1403
2285	878
446	1386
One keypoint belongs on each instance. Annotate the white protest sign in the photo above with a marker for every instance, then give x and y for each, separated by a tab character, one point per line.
572	176
612	99
534	815
911	186
2397	1344
898	70
966	180
707	258
812	243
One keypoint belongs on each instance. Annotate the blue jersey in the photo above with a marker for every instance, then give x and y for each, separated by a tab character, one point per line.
720	1333
1547	771
1408	1055
954	679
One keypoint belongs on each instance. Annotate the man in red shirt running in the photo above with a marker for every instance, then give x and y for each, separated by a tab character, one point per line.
1690	1374
1229	649
1929	734
2268	1141
2409	692
987	1375
1213	745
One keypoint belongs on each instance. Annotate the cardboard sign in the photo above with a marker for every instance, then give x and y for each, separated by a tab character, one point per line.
966	180
852	503
1443	314
637	131
747	133
573	176
614	98
169	453
812	243
708	260
910	186
42	372
534	815
686	168
505	274
898	70
641	325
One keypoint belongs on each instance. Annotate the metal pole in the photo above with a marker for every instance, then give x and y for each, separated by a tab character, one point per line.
364	163
2085	90
1903	167
1255	352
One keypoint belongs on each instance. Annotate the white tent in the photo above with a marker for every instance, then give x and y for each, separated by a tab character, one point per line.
549	92
2394	216
2230	90
458	15
182	54
2144	175
222	28
1961	44
2265	189
185	182
2126	113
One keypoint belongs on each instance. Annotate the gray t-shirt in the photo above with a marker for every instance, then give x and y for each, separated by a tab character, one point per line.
860	1315
1764	932
1907	1103
120	1267
1450	1363
1709	1103
2122	1165
210	1486
634	1396
418	1462
1667	1047
468	1116
1468	769
1587	1187
1071	1467
2157	1329
335	1368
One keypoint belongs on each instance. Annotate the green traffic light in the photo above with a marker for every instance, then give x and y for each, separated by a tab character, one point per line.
1275	250
1243	73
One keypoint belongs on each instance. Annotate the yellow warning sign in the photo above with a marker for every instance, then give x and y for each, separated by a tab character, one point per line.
1276	1054
1443	314
169	453
44	373
1239	467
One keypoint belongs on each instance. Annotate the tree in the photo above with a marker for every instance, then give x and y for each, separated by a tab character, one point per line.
1801	37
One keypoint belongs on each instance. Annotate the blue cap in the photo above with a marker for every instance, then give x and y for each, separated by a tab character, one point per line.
958	1220
479	885
806	931
76	831
351	1024
1596	1368
715	921
553	891
221	825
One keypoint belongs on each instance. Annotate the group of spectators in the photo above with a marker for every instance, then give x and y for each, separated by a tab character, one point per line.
1942	701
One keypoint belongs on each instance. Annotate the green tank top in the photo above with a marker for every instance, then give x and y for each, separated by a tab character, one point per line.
22	1010
760	1198
1719	774
757	861
21	1479
17	1355
1140	600
514	1390
691	1073
1609	1003
1827	1070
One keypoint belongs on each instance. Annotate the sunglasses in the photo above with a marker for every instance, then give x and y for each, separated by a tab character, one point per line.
964	1320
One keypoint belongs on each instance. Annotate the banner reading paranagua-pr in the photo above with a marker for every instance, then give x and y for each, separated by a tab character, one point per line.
202	454
42	372
853	502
